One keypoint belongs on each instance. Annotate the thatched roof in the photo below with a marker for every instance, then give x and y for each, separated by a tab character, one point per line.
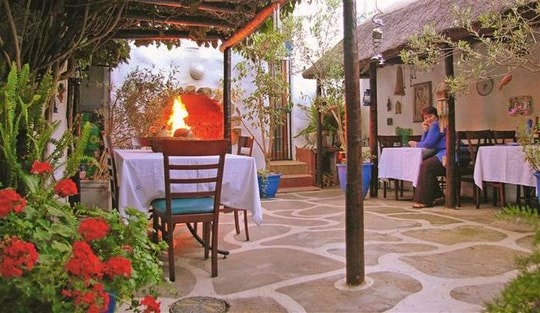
404	22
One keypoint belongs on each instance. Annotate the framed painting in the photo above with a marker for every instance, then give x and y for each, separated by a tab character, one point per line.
422	98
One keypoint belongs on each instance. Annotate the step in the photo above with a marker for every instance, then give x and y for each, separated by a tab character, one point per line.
298	189
295	180
288	167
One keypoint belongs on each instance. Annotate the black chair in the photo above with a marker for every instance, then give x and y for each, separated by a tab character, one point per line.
192	193
503	136
509	136
465	171
384	142
245	147
113	175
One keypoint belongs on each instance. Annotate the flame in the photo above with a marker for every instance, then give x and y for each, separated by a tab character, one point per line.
179	113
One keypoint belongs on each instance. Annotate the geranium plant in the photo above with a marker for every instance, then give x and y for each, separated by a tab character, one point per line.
57	257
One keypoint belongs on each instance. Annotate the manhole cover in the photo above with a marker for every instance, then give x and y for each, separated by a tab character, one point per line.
199	305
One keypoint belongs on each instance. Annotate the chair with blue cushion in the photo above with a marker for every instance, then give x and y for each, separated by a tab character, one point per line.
192	192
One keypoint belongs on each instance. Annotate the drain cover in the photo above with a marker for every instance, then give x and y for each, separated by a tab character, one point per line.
199	305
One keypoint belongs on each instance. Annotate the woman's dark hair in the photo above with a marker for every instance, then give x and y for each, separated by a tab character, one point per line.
429	110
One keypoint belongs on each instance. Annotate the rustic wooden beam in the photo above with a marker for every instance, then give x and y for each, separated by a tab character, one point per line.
252	25
161	35
182	21
202	7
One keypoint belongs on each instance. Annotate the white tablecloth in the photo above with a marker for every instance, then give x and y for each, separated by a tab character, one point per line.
400	163
141	179
502	163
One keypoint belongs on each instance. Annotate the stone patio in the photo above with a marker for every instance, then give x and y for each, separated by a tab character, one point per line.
428	260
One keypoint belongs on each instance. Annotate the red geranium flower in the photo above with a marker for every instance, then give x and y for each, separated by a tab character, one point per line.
117	266
93	228
17	255
152	306
95	300
84	262
65	187
10	200
41	167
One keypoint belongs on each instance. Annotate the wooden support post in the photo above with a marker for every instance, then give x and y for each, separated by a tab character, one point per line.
354	203
227	95
451	192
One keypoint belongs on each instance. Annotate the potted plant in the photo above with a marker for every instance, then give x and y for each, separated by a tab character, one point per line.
367	165
530	148
264	109
55	257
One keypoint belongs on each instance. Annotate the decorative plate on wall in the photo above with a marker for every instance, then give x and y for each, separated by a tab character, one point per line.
484	86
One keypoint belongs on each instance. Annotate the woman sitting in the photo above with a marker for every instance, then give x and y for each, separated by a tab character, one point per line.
434	141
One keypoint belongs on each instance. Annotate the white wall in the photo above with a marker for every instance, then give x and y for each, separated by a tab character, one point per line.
472	111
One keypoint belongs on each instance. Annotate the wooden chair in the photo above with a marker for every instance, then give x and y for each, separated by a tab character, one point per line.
245	147
113	175
475	140
509	136
139	142
384	142
503	136
192	193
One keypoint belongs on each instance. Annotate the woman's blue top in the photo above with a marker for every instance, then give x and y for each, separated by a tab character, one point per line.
434	139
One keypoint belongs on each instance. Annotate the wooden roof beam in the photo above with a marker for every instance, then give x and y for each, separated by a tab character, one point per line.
202	7
184	21
138	34
252	25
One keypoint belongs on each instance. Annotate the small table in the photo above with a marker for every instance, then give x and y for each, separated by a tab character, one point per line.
402	163
141	179
502	163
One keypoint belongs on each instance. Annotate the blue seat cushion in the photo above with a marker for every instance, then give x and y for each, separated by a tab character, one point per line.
185	206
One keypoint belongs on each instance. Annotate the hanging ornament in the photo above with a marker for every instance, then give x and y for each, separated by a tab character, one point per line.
400	86
441	93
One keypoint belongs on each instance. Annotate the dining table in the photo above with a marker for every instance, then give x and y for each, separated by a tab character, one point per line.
141	180
503	163
402	163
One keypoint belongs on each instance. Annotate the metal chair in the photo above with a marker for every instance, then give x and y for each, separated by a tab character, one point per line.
245	147
113	176
192	193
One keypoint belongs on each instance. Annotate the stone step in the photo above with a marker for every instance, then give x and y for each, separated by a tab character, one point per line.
298	189
295	180
288	167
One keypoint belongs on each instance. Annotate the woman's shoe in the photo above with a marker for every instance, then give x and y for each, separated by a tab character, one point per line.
419	205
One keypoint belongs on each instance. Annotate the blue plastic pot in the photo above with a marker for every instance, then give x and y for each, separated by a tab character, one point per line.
366	177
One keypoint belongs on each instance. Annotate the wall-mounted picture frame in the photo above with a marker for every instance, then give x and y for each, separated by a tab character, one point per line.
520	105
422	98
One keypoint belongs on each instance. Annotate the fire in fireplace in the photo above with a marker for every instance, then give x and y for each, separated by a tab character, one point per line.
200	114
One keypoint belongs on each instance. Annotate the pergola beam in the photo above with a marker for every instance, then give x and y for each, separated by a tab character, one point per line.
202	7
182	21
137	34
252	25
